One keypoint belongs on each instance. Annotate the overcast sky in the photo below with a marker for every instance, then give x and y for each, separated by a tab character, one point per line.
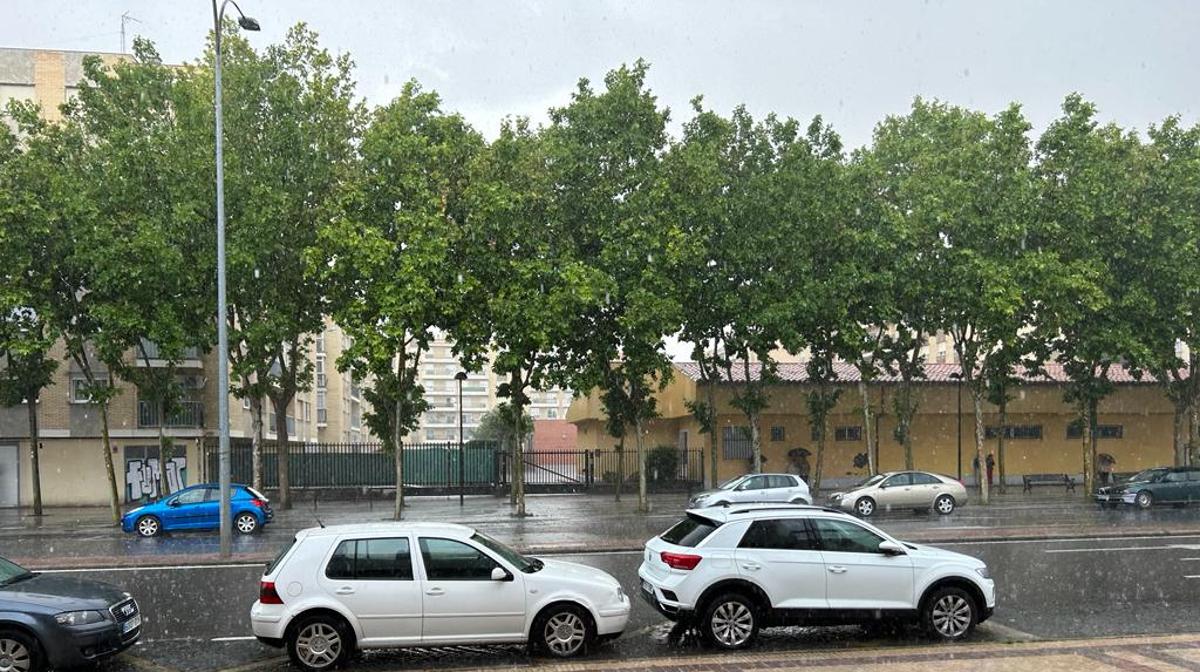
853	62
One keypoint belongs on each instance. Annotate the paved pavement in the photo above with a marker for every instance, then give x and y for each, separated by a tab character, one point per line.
197	617
83	537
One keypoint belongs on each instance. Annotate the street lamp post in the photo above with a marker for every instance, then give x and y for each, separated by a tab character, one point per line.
222	311
460	377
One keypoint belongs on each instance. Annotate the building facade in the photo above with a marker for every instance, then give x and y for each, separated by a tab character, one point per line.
1042	432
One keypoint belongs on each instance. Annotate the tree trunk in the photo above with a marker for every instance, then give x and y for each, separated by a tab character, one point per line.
977	401
643	504
517	390
1193	431
818	467
904	419
1000	464
164	451
713	450
280	404
865	395
620	467
398	454
756	442
34	452
1089	449
256	442
1180	435
114	500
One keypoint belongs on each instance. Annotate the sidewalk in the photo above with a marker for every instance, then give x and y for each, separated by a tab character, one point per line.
81	537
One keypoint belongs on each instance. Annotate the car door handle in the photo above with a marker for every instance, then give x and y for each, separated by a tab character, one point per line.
751	566
435	591
345	590
837	569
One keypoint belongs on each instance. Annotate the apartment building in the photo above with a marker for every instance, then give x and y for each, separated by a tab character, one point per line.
46	77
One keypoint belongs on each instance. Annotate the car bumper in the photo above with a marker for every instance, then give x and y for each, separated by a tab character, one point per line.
611	622
652	593
79	646
266	621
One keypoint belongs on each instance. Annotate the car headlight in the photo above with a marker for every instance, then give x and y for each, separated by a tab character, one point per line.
620	594
835	497
983	571
79	617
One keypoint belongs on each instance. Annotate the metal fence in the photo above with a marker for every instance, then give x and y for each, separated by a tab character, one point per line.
435	466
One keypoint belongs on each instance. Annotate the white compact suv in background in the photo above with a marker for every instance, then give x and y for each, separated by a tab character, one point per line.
787	488
730	572
385	585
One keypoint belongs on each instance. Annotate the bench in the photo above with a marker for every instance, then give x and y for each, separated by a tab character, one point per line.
1028	481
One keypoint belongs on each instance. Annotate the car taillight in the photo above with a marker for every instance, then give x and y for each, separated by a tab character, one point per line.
680	560
267	593
260	503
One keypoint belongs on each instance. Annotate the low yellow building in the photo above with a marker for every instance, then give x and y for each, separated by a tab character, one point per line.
1136	425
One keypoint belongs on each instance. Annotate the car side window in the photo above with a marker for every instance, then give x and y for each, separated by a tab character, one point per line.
449	560
193	496
924	479
371	559
754	483
791	534
898	480
1176	477
214	495
1193	475
843	537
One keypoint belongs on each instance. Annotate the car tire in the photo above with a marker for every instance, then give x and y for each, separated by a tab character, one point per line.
949	614
730	622
944	505
147	526
865	507
1144	499
245	523
320	642
22	651
563	631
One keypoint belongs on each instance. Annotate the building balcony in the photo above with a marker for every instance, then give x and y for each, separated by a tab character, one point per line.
190	358
189	415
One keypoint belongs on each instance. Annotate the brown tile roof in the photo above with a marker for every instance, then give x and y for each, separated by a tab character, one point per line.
934	373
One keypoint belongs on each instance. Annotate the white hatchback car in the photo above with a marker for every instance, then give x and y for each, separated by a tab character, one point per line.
385	585
787	488
731	571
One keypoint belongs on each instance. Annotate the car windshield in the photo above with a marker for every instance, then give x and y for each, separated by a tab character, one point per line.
1147	475
731	483
525	564
11	572
870	481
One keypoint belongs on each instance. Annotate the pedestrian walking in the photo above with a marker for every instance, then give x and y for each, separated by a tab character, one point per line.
991	467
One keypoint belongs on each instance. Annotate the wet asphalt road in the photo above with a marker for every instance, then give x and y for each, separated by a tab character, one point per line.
197	617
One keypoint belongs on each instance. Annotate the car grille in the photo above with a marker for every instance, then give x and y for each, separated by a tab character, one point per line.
124	610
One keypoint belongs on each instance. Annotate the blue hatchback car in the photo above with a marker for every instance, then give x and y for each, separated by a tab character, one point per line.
198	508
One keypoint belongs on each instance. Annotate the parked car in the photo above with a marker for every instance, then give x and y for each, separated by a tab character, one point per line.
729	572
1177	485
198	507
755	488
1111	495
387	585
55	621
918	490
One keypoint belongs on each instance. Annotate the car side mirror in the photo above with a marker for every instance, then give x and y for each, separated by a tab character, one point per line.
891	548
172	502
499	574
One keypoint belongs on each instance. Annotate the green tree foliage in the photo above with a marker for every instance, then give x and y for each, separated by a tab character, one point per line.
391	265
500	424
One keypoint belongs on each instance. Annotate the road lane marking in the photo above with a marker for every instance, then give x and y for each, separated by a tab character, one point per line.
1154	537
1183	547
1191	576
244	638
149	568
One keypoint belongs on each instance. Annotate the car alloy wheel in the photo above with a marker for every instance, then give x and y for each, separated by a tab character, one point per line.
944	505
15	655
1145	499
950	614
148	526
246	523
731	622
865	506
318	645
564	633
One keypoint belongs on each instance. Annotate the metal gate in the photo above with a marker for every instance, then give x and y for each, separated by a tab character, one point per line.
10	475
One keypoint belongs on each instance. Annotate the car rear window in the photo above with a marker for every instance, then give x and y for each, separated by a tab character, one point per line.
275	561
689	531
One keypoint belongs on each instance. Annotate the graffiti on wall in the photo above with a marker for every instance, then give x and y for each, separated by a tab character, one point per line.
142	476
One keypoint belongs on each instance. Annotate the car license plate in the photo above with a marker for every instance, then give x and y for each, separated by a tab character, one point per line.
646	587
131	624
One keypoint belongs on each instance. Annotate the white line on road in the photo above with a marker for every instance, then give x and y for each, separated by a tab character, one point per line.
151	568
1107	550
1155	537
1191	576
233	639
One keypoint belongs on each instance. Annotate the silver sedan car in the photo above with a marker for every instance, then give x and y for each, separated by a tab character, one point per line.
917	490
755	488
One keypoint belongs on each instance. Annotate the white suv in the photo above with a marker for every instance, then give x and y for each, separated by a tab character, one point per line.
386	585
731	571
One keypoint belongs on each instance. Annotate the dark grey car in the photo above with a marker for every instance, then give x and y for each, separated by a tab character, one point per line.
51	620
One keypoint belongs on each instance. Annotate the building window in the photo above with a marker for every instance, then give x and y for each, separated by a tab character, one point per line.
737	443
1030	432
847	433
1075	431
246	403
321	344
79	394
777	433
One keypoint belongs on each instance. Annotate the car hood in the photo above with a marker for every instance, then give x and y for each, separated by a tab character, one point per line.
919	551
848	494
707	493
65	593
557	570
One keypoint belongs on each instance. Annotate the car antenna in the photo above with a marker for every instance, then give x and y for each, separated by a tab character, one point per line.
320	523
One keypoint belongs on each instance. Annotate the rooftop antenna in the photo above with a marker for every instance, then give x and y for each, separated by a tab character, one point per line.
125	18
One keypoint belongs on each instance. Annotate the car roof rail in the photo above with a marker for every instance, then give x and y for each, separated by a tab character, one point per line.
736	510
